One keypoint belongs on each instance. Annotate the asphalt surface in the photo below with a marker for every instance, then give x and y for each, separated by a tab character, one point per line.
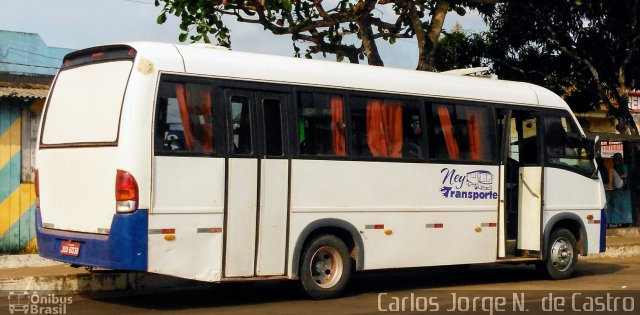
497	289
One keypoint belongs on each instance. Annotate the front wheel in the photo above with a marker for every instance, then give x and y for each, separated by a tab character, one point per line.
562	256
325	267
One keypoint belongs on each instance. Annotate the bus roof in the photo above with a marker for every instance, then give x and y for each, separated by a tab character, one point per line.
209	60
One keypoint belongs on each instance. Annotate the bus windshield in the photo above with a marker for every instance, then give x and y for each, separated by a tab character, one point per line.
85	104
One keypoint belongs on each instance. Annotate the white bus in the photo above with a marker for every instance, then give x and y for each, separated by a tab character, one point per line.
209	164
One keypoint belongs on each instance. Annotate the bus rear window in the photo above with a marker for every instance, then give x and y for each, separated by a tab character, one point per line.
85	104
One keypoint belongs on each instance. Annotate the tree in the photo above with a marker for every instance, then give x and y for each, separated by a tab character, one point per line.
587	51
458	49
348	29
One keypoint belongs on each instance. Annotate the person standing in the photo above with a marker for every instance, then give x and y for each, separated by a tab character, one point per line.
620	210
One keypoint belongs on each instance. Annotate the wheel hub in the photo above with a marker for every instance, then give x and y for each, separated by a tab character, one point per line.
326	267
561	254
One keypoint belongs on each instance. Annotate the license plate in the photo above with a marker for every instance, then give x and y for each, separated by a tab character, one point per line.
70	248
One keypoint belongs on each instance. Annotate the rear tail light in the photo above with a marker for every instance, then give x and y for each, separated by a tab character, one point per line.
98	54
126	192
36	183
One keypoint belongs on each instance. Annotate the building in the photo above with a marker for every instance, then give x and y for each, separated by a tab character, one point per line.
27	68
598	123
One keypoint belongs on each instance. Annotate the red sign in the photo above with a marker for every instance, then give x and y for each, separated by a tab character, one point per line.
70	248
634	101
609	148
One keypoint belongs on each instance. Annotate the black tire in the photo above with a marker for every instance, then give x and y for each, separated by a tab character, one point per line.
325	267
561	255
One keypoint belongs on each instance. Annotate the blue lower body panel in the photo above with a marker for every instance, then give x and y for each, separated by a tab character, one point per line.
603	231
124	248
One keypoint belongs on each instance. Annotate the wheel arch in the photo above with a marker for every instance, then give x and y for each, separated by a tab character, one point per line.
341	229
571	222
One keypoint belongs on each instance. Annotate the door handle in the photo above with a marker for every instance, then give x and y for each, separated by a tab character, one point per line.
528	188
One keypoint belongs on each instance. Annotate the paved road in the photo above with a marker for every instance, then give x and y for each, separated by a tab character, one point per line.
498	289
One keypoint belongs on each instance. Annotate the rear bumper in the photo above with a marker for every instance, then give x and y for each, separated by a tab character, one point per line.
125	247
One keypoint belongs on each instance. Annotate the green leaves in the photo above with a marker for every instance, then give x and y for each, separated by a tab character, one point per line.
345	28
287	5
161	18
458	50
580	49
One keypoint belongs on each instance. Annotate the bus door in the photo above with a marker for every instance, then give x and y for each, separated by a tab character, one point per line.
188	179
521	204
257	184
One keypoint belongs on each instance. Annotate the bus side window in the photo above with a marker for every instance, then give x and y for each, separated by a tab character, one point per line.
443	142
321	124
564	145
272	127
185	119
386	128
460	133
240	125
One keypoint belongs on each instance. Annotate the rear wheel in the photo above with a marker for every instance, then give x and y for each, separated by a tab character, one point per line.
325	267
562	256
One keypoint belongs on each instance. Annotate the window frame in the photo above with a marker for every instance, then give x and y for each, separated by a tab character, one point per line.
254	89
227	94
574	125
285	134
405	102
114	143
417	100
491	110
294	137
290	111
219	125
295	115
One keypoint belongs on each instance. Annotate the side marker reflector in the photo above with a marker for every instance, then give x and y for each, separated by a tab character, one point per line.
162	231
209	230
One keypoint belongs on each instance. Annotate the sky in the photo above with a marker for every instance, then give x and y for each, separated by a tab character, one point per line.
83	23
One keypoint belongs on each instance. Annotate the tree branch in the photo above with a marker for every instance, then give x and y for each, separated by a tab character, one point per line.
437	20
369	47
349	51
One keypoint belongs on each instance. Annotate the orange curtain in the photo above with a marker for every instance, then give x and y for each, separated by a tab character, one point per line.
196	121
384	128
207	127
183	101
375	128
394	129
337	126
447	129
474	125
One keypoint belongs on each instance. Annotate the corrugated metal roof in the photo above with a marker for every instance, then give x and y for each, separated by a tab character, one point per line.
26	79
23	92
